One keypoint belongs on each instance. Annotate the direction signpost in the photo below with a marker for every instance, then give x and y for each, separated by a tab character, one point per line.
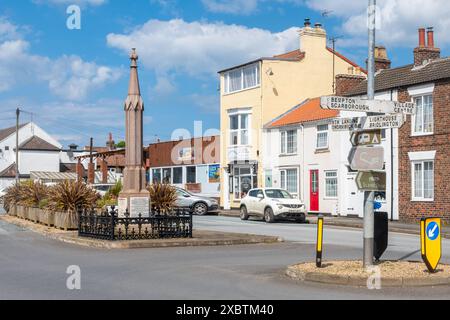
371	181
393	121
367	159
363	105
366	138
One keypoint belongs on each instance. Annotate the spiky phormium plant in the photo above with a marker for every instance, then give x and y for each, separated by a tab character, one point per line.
163	198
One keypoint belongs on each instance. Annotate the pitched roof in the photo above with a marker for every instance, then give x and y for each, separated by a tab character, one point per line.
295	55
9	172
406	76
36	143
5	133
307	111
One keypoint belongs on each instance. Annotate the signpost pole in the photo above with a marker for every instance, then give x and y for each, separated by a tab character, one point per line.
369	217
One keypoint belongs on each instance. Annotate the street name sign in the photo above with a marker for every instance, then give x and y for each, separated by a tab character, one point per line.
367	158
363	105
371	181
368	123
431	243
366	138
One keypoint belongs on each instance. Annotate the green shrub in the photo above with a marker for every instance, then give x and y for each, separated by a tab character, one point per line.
68	196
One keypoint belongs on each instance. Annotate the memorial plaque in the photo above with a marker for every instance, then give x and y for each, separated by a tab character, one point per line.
139	205
123	205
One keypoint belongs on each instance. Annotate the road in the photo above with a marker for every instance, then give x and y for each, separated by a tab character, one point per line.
34	267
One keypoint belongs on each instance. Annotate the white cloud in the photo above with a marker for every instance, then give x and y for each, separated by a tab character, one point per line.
200	48
399	20
68	77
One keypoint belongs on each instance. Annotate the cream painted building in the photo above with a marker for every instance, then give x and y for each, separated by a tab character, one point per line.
254	93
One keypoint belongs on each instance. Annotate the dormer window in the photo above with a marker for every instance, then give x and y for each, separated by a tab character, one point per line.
242	79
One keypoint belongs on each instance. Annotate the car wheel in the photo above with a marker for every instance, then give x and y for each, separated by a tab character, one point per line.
268	215
244	213
200	209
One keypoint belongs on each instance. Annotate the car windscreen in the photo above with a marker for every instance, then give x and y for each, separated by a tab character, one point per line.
278	194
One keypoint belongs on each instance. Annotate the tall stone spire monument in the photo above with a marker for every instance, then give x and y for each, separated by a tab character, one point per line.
134	196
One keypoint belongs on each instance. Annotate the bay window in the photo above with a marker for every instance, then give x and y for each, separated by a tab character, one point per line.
239	129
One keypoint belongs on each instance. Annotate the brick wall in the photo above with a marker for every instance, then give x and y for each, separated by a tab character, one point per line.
440	141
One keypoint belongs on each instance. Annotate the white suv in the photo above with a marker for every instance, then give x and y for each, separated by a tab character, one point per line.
272	204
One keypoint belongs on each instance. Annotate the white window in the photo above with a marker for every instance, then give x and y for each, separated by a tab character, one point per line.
423	120
242	78
322	136
239	129
289	180
423	180
288	141
331	184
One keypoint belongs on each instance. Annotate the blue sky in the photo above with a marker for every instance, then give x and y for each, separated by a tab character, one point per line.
75	81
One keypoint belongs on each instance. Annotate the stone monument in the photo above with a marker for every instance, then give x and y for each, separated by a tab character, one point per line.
134	196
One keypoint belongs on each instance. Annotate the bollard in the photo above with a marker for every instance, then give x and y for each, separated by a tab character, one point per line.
319	246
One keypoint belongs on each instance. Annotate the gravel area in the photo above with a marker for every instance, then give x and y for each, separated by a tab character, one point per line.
389	269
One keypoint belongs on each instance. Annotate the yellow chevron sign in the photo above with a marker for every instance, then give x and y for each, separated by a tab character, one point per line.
431	242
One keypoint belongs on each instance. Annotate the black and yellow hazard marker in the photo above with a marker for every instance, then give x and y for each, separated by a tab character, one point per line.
319	246
431	242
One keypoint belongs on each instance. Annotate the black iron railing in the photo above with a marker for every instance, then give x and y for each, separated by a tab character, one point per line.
109	225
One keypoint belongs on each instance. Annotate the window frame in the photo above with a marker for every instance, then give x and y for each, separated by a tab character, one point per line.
227	78
415	133
239	131
284	185
323	131
284	145
327	179
422	198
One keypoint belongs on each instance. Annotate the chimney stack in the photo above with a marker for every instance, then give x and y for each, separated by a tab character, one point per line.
426	52
382	61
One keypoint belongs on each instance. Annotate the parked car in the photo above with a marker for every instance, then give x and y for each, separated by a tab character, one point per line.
102	189
197	204
272	204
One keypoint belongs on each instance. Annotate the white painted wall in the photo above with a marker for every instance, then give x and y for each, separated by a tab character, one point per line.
350	200
47	161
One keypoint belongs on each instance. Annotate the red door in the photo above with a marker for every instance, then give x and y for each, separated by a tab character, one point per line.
314	191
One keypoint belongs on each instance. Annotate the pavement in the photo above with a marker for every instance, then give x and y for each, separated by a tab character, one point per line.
35	267
394	226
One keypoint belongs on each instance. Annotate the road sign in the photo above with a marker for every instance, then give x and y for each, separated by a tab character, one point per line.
319	246
363	105
371	181
365	138
368	123
430	233
367	158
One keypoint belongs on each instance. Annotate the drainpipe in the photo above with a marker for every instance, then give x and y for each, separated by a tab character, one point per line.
302	178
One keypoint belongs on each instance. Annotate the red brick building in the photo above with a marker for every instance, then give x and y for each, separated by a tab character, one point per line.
423	155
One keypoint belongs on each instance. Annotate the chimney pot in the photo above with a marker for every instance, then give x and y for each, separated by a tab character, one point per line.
422	37
307	22
430	34
318	25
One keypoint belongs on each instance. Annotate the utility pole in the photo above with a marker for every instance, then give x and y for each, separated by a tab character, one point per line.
369	197
17	145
